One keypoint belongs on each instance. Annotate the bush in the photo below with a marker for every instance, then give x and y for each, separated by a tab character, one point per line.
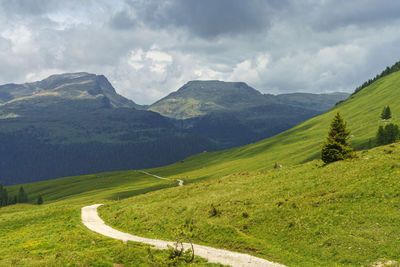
213	211
40	200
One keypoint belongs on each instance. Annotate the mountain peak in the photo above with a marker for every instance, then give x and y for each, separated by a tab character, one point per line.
69	86
214	83
200	97
221	88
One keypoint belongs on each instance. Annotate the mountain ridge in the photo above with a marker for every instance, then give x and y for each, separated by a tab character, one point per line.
206	96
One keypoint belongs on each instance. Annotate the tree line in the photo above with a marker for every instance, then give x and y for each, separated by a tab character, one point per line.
387	71
21	197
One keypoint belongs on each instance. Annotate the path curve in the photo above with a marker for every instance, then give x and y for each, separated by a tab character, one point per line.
180	182
91	220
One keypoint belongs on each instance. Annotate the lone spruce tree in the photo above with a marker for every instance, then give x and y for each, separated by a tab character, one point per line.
22	196
336	146
40	200
386	113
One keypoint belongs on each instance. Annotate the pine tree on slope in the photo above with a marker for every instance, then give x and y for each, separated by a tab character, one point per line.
336	146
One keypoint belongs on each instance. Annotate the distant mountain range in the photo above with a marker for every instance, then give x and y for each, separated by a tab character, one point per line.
76	123
198	98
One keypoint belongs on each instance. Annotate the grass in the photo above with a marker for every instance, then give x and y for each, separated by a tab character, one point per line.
346	213
53	235
87	188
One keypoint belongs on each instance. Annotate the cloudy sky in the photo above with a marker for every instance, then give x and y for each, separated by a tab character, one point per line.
148	48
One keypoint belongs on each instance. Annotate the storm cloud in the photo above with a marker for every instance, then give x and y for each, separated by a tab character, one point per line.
148	48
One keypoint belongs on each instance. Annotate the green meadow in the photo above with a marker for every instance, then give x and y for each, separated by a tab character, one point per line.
53	234
343	214
304	214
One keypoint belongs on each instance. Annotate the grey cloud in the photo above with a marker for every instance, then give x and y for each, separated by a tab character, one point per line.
330	14
28	7
209	18
122	20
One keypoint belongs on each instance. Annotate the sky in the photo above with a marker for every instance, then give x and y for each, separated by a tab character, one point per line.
149	48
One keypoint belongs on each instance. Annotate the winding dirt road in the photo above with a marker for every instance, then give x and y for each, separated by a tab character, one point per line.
91	220
180	182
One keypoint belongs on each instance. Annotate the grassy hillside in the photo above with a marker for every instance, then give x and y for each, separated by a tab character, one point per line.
105	186
53	235
343	214
301	143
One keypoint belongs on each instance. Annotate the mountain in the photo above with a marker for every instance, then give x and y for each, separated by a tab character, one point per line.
198	98
65	86
76	123
233	113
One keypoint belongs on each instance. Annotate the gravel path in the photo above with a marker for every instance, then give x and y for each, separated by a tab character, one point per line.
91	220
163	178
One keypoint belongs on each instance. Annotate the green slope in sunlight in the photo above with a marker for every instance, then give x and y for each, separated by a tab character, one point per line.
301	143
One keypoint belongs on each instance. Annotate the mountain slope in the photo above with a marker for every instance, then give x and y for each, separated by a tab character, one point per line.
303	142
343	214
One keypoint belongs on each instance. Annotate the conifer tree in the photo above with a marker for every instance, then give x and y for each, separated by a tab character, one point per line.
22	196
336	146
388	134
380	136
392	133
386	113
40	200
3	196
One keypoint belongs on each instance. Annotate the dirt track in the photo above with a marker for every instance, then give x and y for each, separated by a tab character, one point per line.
91	220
